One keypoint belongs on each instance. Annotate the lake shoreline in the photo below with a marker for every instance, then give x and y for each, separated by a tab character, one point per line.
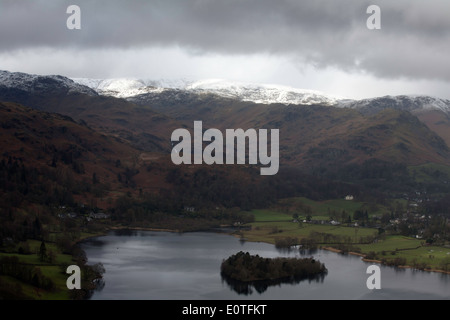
165	264
381	262
232	233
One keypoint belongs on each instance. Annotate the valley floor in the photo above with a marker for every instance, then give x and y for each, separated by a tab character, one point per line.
278	226
396	250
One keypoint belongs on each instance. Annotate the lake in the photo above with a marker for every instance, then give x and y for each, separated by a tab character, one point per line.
154	265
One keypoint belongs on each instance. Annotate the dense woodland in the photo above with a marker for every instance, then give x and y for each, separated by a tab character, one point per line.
216	195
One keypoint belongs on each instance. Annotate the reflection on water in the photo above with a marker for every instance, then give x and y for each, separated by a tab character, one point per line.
171	266
99	285
260	286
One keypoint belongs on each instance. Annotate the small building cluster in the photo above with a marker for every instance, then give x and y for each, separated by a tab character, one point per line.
73	215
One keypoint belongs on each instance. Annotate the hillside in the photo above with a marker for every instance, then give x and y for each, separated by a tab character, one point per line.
315	140
49	159
67	155
143	128
438	121
312	135
432	111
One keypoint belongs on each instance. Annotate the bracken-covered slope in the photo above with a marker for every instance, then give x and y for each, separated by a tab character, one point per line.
313	135
432	111
65	153
142	127
50	159
127	144
414	104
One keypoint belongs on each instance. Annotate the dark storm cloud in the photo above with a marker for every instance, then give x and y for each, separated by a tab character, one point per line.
414	40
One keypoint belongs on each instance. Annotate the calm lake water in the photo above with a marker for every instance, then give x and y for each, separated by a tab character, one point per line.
171	266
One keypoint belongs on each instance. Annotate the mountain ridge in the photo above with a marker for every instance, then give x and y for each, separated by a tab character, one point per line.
312	134
412	103
130	88
36	83
258	93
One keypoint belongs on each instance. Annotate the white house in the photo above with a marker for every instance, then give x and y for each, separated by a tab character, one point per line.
99	215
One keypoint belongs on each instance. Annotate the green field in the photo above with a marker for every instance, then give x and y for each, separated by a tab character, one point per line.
431	256
278	223
271	224
323	210
52	270
392	243
269	231
318	210
55	269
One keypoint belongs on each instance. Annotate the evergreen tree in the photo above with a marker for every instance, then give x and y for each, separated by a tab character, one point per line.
42	252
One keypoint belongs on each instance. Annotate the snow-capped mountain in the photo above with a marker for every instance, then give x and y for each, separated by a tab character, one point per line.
263	93
37	83
258	93
412	103
123	88
135	89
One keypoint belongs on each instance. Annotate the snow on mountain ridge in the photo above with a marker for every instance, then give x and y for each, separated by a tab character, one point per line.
259	93
414	103
31	82
129	87
264	93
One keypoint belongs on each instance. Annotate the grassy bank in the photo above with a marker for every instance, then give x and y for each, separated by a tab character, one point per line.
272	226
28	254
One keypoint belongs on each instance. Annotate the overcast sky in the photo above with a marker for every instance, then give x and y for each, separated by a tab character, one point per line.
312	44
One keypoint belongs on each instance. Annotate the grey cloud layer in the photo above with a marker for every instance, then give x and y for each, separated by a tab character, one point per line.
414	41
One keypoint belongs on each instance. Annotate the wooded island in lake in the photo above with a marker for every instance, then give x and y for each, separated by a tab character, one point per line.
245	267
